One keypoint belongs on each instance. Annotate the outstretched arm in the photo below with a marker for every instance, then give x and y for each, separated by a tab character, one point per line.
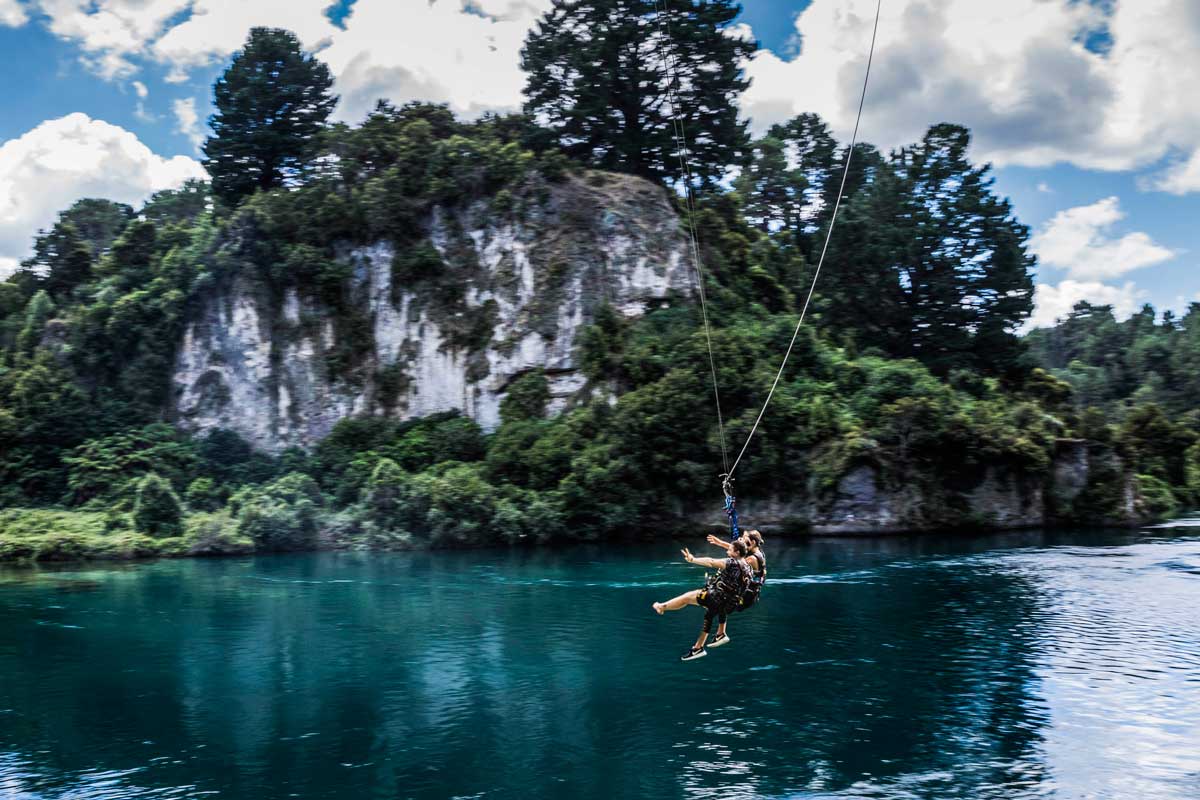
717	542
715	563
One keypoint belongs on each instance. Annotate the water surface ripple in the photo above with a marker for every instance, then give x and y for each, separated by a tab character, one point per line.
1023	665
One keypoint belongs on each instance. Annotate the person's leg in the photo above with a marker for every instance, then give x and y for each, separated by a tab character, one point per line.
705	629
676	603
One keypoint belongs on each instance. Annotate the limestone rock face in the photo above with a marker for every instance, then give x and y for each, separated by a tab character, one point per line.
521	286
864	501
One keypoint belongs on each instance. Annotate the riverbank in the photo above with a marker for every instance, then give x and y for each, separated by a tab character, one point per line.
44	535
55	535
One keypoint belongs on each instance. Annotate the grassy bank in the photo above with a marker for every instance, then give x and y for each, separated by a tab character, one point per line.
35	534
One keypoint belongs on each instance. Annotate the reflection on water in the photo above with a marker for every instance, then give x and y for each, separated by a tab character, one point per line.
1016	666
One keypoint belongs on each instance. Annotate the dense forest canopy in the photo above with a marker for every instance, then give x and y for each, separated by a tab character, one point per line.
912	364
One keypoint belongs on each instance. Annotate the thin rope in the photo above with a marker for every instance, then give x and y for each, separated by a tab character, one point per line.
685	164
828	235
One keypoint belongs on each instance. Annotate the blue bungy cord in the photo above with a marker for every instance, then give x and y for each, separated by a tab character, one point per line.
731	512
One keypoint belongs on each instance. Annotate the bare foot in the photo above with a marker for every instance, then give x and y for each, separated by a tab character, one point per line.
659	608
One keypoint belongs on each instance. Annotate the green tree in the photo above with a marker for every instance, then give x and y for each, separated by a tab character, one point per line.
156	510
281	515
271	103
526	397
98	222
61	261
791	179
384	496
39	311
178	205
103	466
600	73
931	263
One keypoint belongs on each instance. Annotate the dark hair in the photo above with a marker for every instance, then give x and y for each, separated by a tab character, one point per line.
755	537
739	548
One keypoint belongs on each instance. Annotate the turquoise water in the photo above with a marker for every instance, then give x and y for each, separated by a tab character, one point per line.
1015	666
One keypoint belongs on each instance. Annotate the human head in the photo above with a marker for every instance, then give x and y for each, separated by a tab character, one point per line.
751	539
737	549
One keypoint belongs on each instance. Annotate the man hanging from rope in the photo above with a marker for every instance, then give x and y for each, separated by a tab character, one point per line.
756	559
725	592
719	597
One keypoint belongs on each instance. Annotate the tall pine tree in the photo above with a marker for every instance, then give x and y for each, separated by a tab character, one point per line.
271	103
928	262
599	75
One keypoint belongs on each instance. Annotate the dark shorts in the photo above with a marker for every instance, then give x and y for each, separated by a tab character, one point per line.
714	601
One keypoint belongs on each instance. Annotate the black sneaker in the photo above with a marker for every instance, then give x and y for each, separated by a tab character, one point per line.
693	654
718	640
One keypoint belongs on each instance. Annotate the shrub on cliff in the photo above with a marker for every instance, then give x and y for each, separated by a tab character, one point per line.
156	509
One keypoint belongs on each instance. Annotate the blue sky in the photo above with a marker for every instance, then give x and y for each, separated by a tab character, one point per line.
1097	151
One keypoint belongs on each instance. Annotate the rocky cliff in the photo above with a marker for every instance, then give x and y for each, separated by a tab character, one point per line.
1087	484
502	286
522	279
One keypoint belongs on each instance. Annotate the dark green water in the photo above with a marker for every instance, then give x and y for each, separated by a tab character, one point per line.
1016	666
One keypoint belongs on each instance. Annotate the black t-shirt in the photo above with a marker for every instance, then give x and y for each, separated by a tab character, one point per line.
734	576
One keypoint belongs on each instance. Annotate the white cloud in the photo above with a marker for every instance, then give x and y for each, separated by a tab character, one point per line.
187	121
1053	302
1044	188
1077	240
141	89
1013	72
12	14
417	50
463	54
111	31
1181	177
1016	73
182	34
63	160
216	28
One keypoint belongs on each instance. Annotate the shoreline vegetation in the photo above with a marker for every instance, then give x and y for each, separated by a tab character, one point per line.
912	401
54	536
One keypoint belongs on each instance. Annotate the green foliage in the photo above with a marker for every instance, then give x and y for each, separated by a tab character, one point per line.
597	76
1192	473
204	495
789	181
526	397
282	515
908	363
157	511
178	206
384	494
928	262
230	459
271	103
1155	496
433	440
106	467
37	314
1113	365
215	534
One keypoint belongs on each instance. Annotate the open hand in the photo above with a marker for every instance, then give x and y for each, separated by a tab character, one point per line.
712	539
687	555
